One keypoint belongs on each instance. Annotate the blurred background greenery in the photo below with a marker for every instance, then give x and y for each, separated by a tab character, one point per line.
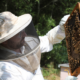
46	15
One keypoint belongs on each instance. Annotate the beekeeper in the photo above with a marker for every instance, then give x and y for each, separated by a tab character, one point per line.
21	48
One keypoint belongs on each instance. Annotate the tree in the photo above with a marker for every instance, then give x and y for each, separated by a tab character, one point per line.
46	15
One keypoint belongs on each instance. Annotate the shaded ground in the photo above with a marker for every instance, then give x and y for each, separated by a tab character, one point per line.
51	73
52	77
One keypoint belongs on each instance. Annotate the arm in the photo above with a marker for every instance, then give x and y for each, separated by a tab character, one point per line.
55	35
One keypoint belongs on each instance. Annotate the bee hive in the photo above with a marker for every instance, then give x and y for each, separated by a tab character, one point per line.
72	30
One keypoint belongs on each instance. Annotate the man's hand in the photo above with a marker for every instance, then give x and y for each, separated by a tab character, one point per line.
63	20
71	78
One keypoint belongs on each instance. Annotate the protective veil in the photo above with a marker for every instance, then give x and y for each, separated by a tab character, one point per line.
30	51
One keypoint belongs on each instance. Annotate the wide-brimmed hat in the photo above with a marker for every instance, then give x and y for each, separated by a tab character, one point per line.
10	24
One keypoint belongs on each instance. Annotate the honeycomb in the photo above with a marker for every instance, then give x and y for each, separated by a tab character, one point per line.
72	31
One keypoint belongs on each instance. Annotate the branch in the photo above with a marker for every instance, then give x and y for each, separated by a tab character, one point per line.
6	5
38	7
49	3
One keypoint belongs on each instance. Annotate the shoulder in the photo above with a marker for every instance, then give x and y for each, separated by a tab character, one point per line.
7	66
7	70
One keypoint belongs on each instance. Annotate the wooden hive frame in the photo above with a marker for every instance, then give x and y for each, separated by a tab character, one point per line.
72	31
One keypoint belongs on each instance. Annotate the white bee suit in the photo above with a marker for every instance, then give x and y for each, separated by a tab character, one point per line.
10	70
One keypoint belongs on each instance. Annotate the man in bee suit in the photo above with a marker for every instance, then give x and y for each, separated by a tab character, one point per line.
21	48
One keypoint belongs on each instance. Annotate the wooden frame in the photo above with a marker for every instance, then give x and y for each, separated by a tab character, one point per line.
72	31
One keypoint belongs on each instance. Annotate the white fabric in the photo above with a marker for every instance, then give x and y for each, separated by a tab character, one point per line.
63	20
10	24
38	75
45	45
56	35
71	78
12	71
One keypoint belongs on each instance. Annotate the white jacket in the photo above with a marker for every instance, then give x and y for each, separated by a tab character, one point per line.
11	71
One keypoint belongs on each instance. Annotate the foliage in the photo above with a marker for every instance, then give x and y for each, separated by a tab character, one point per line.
58	55
46	15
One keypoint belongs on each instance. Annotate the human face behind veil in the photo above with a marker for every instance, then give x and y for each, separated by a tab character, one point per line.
27	38
17	41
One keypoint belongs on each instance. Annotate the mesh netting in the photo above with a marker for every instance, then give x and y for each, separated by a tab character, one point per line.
30	46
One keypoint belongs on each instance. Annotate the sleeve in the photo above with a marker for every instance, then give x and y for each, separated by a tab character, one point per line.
54	36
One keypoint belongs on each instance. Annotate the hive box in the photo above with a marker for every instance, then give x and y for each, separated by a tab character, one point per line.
65	71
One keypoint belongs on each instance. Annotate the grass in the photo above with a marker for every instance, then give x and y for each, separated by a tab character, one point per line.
50	73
